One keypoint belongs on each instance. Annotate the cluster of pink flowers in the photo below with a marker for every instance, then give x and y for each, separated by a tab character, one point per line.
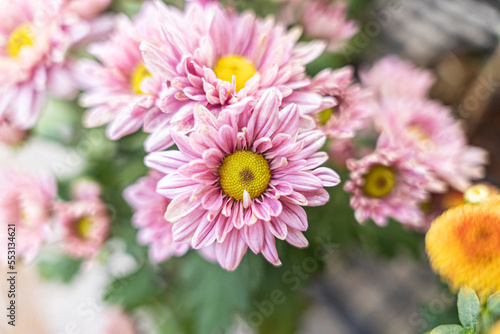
231	92
35	36
28	202
421	148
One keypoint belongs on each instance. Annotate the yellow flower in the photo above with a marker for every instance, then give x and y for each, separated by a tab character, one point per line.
463	246
495	329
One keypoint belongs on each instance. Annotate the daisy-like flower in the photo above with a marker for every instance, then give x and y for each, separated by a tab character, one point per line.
120	90
26	201
344	108
86	226
323	19
480	192
430	129
34	38
220	57
241	180
388	183
463	246
393	77
150	208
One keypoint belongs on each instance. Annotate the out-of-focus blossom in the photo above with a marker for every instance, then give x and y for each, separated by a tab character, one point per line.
86	225
118	322
86	189
463	246
388	183
150	208
34	38
218	57
430	129
10	134
87	9
241	180
120	90
322	19
392	77
480	192
345	106
26	201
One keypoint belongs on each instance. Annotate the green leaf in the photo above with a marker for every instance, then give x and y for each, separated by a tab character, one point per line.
450	329
134	290
468	308
58	267
494	304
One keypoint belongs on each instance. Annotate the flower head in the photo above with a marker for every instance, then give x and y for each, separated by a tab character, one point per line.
34	38
86	226
344	108
463	246
241	180
218	57
120	90
388	183
150	208
430	129
394	77
26	201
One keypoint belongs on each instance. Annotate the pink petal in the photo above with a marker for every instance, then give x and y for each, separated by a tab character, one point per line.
231	251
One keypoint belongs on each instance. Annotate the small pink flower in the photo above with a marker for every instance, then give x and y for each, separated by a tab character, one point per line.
388	183
34	38
345	108
119	322
430	129
121	91
150	208
26	201
86	226
328	21
86	189
216	57
392	77
241	180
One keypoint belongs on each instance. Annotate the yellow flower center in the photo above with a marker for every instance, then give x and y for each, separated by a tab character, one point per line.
138	75
325	116
423	139
241	68
379	181
84	227
22	37
244	170
477	193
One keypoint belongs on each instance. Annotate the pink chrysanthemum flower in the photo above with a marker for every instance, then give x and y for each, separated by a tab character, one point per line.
327	20
120	90
86	226
150	208
26	200
392	77
220	57
388	183
241	180
119	322
430	129
34	38
344	109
